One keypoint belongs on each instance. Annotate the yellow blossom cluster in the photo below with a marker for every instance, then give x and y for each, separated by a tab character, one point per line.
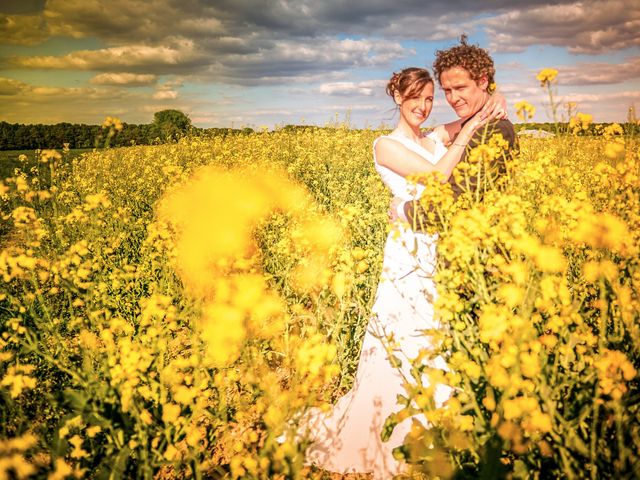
547	76
580	122
18	379
525	110
112	122
535	298
14	462
614	371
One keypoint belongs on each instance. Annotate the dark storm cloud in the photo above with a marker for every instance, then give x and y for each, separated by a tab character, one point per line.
21	7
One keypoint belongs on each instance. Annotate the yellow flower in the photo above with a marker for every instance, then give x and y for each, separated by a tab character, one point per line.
184	394
47	155
17	379
170	413
614	369
550	259
538	422
17	464
592	271
613	130
614	150
529	364
223	329
362	266
525	110
77	451
22	443
61	470
489	401
93	430
358	253
171	453
511	294
547	76
338	284
146	417
580	122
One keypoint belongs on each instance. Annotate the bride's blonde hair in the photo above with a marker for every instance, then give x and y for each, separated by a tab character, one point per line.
408	82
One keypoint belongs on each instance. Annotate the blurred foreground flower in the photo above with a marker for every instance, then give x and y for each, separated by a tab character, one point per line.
525	110
214	216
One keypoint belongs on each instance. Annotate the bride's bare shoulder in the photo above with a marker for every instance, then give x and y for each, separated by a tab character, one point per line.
442	134
427	142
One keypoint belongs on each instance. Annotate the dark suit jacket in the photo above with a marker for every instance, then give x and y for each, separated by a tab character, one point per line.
417	212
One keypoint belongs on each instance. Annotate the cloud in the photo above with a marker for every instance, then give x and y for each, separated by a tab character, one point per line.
275	62
599	73
22	6
367	88
28	103
9	86
246	41
354	107
165	95
586	27
23	29
580	98
178	55
130	79
307	59
324	49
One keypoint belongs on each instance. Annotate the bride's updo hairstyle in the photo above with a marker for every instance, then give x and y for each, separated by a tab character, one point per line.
408	82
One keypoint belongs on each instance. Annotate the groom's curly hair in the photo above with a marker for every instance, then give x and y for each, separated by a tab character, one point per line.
472	58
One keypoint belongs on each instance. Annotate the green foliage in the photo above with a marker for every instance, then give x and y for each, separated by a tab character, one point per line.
171	123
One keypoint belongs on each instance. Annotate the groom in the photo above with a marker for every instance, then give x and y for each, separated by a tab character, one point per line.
465	73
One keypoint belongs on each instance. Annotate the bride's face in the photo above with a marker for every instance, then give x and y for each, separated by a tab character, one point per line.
415	109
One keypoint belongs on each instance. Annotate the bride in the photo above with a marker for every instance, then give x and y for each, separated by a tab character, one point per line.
347	439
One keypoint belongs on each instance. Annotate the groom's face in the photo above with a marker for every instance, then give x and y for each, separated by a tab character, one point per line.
464	94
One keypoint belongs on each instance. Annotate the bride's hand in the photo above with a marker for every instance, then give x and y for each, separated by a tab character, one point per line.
496	107
393	209
477	121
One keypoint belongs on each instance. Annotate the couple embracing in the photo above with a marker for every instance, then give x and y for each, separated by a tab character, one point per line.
347	438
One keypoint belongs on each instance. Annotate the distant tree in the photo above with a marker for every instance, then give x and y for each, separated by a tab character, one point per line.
171	123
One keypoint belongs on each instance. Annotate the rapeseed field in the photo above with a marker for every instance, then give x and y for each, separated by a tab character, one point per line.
169	311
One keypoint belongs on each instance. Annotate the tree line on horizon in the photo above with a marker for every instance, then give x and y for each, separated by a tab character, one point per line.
169	125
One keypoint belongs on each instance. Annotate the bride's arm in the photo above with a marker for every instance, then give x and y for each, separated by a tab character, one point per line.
494	108
447	131
396	157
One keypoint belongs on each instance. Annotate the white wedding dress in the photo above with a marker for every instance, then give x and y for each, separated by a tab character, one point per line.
347	438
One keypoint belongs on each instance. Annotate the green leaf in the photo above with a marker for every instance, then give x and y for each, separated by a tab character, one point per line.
76	398
389	424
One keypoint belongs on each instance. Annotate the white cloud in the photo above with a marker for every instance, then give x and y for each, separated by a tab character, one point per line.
27	103
599	73
131	79
366	88
181	52
165	95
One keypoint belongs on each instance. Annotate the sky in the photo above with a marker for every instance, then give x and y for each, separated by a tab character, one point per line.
270	63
